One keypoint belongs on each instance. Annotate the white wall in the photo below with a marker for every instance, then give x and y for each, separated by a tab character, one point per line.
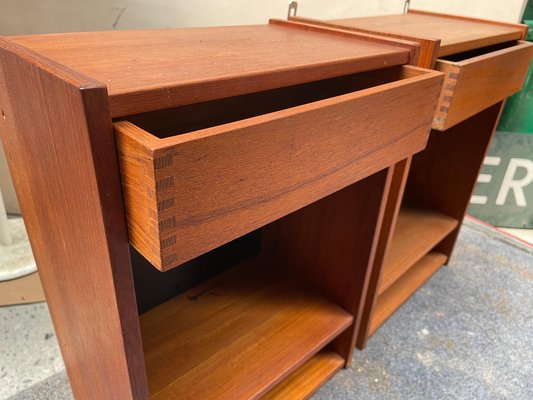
41	16
18	17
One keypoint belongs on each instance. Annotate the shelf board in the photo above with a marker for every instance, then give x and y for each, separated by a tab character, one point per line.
306	380
417	232
237	335
390	300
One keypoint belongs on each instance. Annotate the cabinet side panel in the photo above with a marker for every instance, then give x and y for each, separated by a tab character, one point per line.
56	130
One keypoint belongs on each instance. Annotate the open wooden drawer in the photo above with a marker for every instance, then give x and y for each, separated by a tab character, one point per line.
198	176
484	61
477	79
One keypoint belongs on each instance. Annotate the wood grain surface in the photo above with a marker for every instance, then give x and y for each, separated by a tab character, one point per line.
331	244
473	82
443	177
156	69
417	232
214	192
456	34
390	300
429	47
303	382
486	83
521	27
313	26
58	138
476	83
393	200
237	335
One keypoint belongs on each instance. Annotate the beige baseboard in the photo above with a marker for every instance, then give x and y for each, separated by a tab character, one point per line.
23	290
6	186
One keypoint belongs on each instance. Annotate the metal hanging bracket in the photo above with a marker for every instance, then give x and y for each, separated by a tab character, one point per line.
293	8
406	6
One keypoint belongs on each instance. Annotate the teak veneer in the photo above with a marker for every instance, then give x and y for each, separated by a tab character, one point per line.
484	62
156	69
415	234
453	33
397	294
245	330
303	382
476	80
275	142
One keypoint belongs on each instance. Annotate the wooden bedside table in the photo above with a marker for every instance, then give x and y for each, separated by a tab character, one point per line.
484	62
179	142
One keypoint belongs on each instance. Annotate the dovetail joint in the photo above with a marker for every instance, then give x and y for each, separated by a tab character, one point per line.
168	223
163	161
165	183
166	204
167	242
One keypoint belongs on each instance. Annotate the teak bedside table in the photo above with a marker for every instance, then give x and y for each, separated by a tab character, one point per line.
182	141
484	62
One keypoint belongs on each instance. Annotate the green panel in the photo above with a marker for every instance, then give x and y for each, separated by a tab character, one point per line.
517	116
505	184
528	12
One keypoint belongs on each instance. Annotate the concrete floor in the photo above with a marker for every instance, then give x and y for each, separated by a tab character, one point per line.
467	334
29	352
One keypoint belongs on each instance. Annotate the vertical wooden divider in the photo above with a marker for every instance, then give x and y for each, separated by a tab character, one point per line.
331	243
400	172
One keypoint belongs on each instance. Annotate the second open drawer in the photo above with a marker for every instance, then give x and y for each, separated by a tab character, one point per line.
478	79
198	176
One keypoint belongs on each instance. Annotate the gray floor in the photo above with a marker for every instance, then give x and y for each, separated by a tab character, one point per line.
467	334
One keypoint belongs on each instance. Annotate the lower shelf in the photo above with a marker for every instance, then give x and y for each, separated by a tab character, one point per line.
416	233
237	335
306	380
391	299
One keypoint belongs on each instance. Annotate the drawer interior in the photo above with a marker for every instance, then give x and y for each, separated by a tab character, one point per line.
184	119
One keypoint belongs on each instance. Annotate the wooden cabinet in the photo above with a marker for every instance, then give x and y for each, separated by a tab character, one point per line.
484	62
178	142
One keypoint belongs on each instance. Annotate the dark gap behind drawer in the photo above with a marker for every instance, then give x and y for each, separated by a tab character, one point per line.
153	287
479	52
184	119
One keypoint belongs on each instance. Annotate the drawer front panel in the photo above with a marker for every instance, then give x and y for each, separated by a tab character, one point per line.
191	193
472	85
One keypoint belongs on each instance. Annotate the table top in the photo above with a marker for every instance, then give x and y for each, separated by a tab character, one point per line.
457	34
153	69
